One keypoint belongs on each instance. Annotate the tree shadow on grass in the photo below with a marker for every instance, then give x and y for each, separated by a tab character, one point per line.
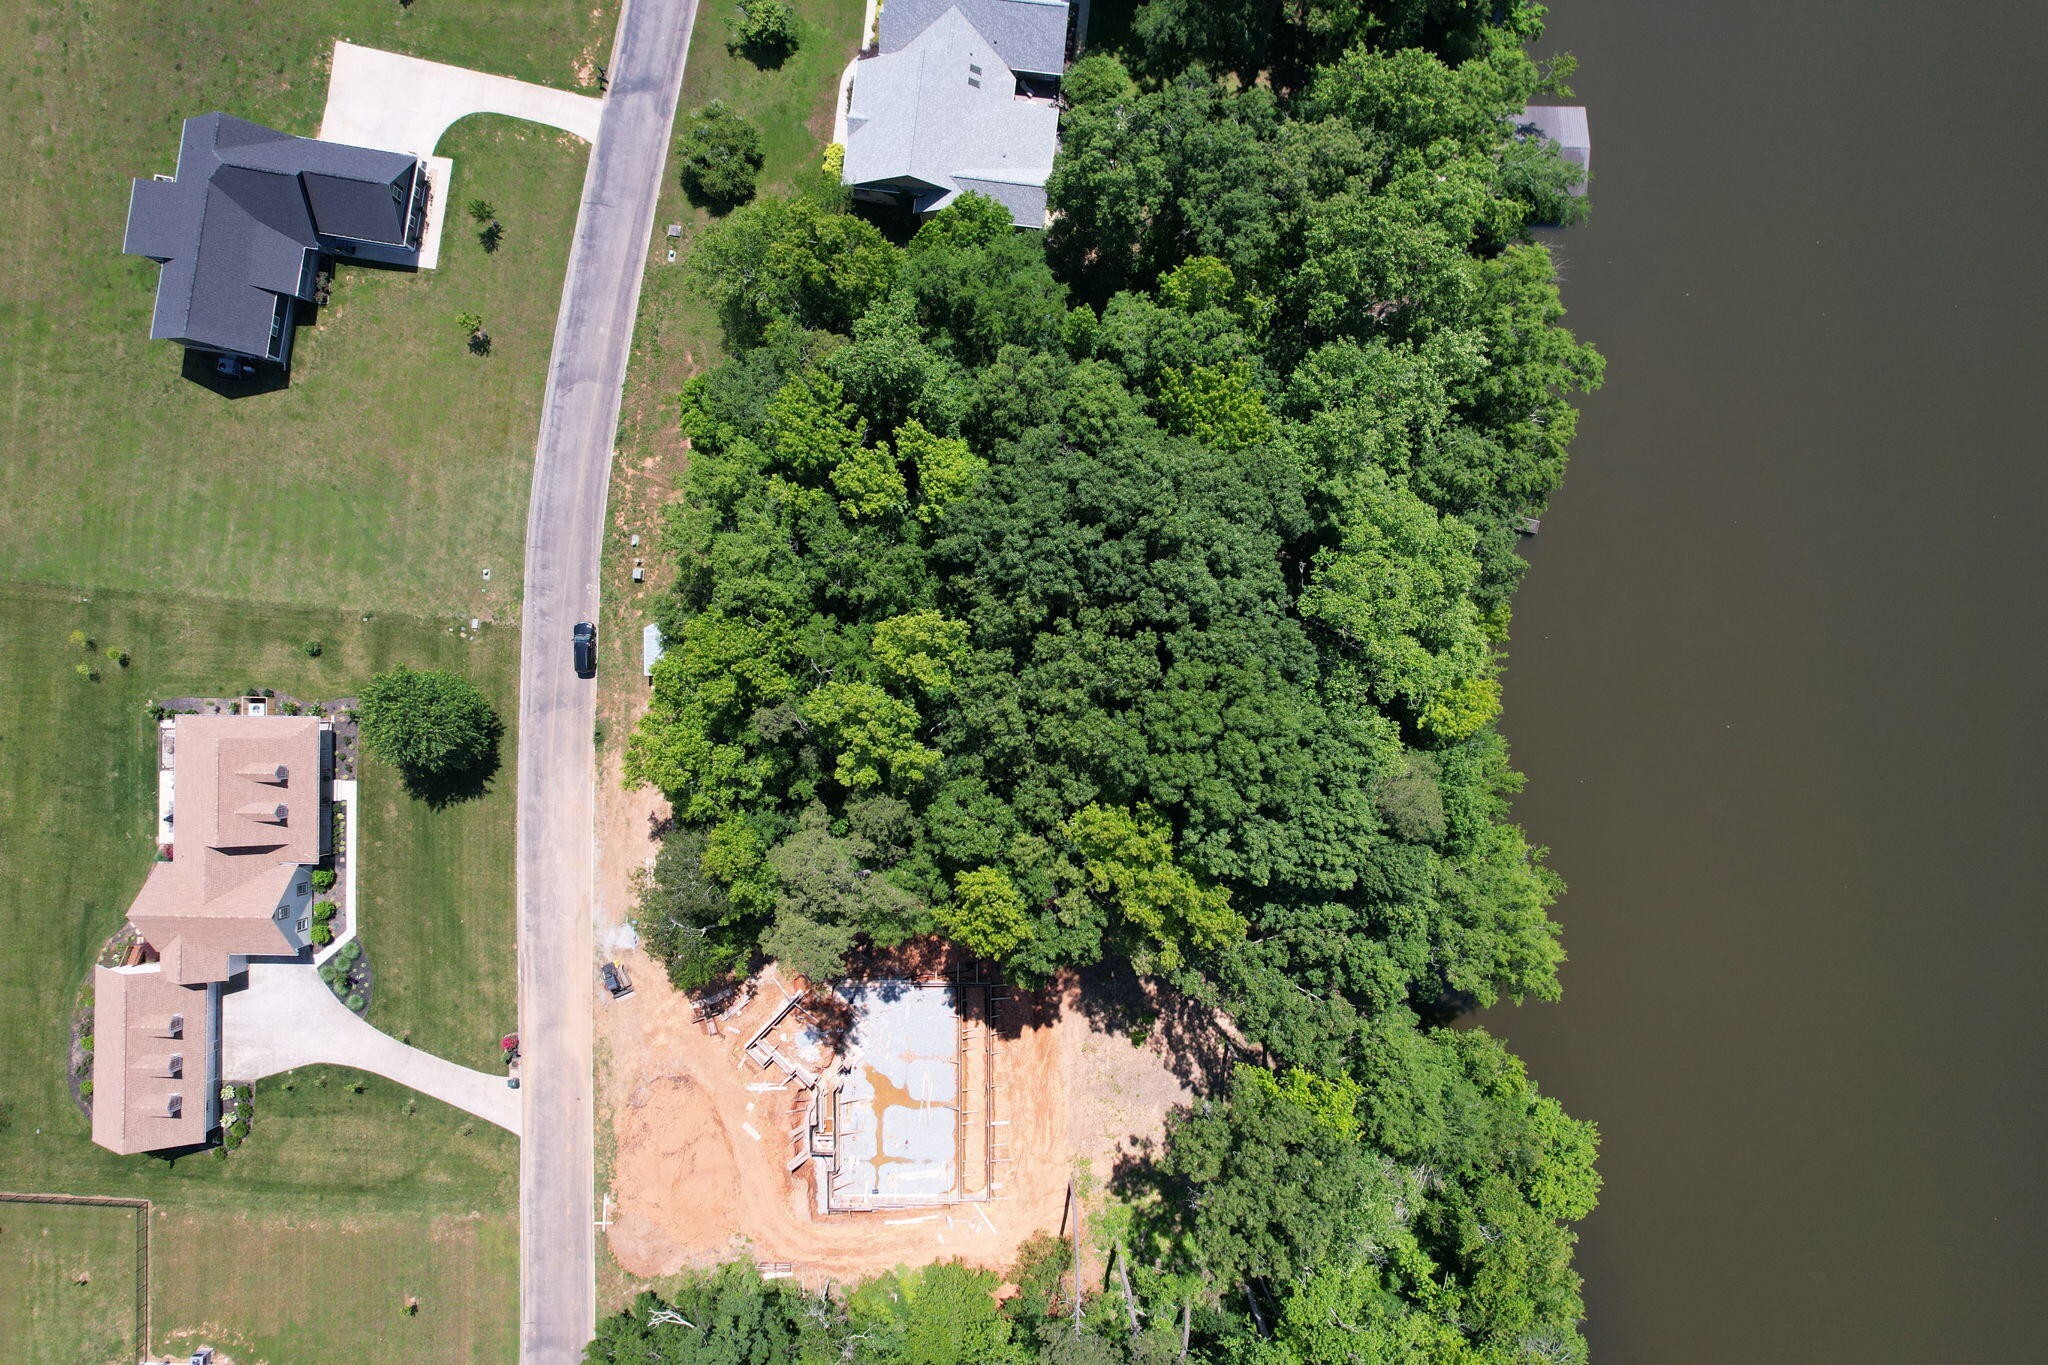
766	55
455	786
713	201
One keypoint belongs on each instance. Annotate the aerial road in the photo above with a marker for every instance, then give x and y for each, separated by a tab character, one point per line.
557	709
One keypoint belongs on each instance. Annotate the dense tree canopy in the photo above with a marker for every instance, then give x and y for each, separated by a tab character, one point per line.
1137	590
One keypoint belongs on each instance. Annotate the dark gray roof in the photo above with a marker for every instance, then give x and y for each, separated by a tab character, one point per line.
944	111
237	226
1029	35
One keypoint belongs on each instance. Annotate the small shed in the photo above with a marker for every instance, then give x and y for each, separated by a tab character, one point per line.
1564	124
651	646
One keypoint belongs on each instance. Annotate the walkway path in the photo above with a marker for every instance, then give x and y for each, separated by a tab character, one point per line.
557	710
286	1017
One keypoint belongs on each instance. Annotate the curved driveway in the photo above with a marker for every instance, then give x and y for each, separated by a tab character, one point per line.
285	1017
557	710
386	99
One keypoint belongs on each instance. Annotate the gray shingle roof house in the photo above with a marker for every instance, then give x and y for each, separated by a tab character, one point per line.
959	95
1029	35
240	229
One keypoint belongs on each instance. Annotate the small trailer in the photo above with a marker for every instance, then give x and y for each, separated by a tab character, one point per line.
615	980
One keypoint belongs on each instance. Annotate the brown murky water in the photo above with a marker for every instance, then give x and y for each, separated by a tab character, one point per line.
1777	681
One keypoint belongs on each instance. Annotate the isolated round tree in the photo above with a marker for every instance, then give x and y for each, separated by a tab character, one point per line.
765	31
721	157
427	724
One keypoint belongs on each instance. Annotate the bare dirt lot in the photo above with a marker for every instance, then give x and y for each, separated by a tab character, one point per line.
702	1134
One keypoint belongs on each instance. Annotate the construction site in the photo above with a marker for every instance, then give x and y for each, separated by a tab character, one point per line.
918	1111
895	1086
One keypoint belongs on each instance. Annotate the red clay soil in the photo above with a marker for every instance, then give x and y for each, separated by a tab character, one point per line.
693	1186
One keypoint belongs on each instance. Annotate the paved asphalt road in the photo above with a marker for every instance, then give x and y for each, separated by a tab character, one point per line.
557	710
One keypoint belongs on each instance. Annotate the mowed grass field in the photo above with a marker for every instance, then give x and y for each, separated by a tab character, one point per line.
346	1284
210	537
67	1284
393	469
351	1204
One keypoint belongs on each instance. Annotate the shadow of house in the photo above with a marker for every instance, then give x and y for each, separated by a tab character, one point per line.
243	226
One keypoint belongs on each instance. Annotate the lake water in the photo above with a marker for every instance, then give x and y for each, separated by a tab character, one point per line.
1777	683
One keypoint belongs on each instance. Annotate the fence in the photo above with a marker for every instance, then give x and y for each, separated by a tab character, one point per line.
142	1322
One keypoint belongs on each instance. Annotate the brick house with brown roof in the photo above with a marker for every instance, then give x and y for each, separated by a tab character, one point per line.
250	818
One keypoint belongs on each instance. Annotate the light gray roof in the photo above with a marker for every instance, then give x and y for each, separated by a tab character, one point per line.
235	228
1564	124
944	110
1029	35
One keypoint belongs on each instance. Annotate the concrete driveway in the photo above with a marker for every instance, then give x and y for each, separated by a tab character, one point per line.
286	1017
557	762
404	104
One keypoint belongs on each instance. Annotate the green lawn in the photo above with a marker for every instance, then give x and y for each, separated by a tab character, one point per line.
393	469
47	1316
210	537
437	892
338	1207
327	1289
676	335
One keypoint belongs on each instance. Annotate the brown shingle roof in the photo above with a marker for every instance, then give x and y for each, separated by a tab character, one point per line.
147	1027
236	855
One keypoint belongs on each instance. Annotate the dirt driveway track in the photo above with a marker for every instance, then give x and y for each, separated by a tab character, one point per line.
557	710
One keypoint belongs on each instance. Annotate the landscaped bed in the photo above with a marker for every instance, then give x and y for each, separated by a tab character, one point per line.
348	975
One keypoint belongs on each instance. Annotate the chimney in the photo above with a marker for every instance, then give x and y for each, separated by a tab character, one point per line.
174	1106
274	773
264	812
